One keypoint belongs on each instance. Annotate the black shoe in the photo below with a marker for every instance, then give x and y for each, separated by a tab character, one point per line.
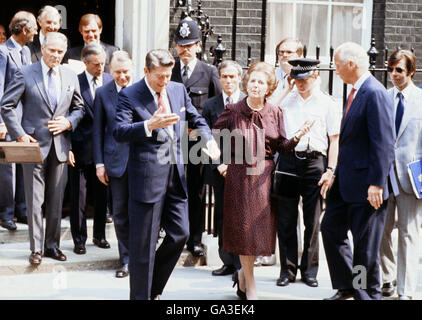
312	282
285	280
241	294
55	253
388	289
9	225
341	295
102	243
224	270
79	249
123	271
109	218
197	251
23	220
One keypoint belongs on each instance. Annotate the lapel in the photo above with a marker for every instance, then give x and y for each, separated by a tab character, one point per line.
39	80
219	106
86	94
172	100
66	86
37	47
409	110
354	107
113	94
14	53
198	73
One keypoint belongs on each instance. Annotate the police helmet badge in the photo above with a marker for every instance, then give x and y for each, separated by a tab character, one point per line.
184	30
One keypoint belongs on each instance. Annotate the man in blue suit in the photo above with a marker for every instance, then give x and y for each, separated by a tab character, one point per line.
152	115
83	173
14	55
356	201
110	157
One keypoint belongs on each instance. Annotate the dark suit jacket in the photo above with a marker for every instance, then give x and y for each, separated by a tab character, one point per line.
212	110
366	147
82	136
28	86
35	48
147	171
107	150
10	61
76	52
203	83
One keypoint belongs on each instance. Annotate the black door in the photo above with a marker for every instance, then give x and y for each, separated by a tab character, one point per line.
74	10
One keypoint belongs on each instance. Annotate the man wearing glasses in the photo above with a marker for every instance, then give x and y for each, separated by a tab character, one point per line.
408	148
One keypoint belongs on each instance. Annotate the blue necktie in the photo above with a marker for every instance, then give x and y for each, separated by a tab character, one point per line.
399	111
52	89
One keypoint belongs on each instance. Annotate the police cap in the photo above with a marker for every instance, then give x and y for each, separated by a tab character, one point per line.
303	67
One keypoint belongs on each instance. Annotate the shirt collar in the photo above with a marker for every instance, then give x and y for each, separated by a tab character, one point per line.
90	77
42	38
235	97
46	69
191	65
153	93
16	44
361	80
405	92
118	88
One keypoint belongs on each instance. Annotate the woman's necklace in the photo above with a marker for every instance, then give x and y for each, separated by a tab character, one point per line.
254	109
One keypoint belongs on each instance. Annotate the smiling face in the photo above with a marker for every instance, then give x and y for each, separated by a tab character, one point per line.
257	86
91	32
49	22
158	77
122	72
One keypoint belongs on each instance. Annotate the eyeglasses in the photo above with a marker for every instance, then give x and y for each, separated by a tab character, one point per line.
398	69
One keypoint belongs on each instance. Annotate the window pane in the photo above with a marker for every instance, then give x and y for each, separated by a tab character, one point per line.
346	25
348	1
280	22
311	26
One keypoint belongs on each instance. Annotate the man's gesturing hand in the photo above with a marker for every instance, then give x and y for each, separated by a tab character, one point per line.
160	120
59	125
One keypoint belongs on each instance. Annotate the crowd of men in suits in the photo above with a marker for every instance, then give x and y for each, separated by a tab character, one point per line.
103	131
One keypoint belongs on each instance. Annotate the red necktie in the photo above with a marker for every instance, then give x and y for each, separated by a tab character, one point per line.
350	100
161	103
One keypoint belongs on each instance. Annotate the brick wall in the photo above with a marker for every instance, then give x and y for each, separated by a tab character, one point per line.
221	18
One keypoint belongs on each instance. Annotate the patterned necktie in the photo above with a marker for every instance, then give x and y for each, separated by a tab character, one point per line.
23	58
399	111
161	103
185	74
94	85
52	94
229	100
349	101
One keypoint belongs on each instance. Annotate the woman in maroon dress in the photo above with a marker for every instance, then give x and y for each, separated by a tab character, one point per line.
249	225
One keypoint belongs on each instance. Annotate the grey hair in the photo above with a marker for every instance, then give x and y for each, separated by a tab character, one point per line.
158	58
230	63
19	21
55	35
351	51
121	56
48	9
92	49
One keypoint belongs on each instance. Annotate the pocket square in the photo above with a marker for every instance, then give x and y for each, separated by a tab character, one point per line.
183	109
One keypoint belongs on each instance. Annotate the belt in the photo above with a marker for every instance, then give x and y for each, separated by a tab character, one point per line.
308	154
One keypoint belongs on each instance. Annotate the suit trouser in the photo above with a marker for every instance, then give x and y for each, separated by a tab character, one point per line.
350	270
195	185
45	183
79	178
228	259
149	268
311	171
12	195
409	218
120	197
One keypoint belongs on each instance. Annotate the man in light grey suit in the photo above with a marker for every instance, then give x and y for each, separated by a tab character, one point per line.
13	55
52	107
408	148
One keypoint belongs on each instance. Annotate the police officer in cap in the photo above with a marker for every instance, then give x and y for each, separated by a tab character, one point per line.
314	162
202	82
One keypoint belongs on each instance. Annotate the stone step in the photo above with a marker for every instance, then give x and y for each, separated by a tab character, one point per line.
14	253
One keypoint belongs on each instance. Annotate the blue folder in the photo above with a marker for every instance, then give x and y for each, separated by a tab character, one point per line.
415	174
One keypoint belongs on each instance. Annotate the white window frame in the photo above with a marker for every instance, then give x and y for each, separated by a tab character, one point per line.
367	8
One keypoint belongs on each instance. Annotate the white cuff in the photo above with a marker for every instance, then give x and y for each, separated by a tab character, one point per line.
99	165
147	132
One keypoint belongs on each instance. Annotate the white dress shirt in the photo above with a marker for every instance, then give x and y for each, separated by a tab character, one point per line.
90	78
166	104
318	106
56	79
235	97
407	92
191	66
